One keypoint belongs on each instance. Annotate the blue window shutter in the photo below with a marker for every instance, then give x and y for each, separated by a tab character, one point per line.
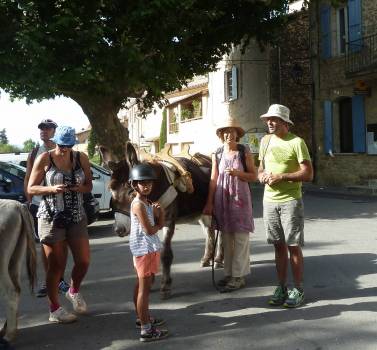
358	124
234	83
326	31
327	111
354	25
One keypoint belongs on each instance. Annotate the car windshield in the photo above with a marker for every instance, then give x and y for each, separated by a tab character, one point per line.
100	169
13	169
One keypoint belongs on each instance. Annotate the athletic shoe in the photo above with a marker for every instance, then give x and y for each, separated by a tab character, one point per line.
62	316
295	298
63	287
154	322
78	302
42	291
279	296
154	334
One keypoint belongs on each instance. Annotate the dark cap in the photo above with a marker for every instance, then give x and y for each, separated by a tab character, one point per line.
47	123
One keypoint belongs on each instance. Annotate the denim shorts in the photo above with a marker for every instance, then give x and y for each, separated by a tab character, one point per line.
48	234
284	222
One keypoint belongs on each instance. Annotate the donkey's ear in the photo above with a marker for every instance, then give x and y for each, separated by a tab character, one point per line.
131	155
107	157
105	154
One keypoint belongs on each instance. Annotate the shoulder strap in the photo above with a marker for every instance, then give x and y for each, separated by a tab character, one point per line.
241	149
33	154
265	150
219	154
78	162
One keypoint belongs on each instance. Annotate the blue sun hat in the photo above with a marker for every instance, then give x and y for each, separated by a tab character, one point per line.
65	136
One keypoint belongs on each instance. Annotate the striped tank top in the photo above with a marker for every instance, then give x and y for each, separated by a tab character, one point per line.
140	242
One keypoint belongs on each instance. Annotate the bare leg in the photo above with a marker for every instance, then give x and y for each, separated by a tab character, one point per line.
81	257
281	261
142	299
297	264
56	259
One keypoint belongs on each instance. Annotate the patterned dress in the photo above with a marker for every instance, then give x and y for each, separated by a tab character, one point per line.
232	207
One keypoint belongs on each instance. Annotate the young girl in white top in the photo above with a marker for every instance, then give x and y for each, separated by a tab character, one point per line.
146	219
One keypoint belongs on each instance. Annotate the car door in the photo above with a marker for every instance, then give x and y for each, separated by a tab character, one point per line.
11	187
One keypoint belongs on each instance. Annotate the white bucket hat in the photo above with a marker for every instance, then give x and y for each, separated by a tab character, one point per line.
279	111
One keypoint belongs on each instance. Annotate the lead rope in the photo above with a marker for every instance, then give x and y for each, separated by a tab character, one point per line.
213	256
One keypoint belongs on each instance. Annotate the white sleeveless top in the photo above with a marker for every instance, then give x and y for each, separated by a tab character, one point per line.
140	242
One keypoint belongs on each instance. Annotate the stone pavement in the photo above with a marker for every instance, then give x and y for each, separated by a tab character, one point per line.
340	285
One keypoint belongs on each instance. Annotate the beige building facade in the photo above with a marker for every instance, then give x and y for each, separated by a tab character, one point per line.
238	89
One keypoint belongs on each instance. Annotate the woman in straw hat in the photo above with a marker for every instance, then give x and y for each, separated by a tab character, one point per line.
229	200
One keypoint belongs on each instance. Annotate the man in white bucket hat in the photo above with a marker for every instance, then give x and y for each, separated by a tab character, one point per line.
284	164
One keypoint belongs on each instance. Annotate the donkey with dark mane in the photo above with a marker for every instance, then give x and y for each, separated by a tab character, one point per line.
177	200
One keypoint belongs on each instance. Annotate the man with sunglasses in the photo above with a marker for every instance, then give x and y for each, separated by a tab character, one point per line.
47	130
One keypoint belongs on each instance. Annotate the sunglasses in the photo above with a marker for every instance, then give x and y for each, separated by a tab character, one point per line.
65	146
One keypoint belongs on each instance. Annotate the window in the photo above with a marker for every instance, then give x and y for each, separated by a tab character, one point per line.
342	32
191	109
345	129
173	120
230	84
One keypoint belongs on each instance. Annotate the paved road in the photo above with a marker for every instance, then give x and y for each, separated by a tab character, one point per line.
340	281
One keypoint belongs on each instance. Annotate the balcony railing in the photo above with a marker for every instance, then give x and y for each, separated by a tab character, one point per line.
361	55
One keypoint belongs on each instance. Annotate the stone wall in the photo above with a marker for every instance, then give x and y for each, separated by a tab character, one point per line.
332	84
290	74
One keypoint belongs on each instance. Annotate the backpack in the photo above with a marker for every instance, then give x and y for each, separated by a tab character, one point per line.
240	148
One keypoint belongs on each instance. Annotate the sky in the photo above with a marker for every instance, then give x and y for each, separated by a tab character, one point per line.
21	120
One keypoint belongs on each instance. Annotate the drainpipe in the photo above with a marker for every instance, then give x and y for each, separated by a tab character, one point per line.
279	64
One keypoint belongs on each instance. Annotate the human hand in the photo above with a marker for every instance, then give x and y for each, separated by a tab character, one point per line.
264	177
208	209
274	178
232	172
58	189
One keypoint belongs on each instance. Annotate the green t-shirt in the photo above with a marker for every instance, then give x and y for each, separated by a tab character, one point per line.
283	155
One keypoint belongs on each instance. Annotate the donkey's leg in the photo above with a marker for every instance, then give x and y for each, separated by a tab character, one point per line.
11	297
219	257
167	260
209	247
15	268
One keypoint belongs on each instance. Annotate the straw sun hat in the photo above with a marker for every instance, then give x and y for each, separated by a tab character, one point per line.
230	123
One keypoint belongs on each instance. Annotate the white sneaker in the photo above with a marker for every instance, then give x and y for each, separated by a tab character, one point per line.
62	316
78	302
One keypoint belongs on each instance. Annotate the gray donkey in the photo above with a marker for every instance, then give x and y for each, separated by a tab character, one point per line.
16	241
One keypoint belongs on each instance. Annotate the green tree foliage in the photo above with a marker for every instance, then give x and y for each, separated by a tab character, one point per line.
92	143
29	145
163	130
3	137
102	52
7	148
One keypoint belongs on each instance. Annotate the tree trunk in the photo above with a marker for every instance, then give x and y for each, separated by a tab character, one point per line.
102	114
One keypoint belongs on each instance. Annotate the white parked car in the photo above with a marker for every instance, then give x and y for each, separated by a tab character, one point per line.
101	178
100	191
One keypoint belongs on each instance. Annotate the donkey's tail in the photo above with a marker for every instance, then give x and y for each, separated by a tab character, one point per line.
31	254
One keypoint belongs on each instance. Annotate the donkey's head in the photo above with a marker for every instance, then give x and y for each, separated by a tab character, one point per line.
121	190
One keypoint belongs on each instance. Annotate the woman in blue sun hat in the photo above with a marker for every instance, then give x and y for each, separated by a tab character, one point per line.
65	175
